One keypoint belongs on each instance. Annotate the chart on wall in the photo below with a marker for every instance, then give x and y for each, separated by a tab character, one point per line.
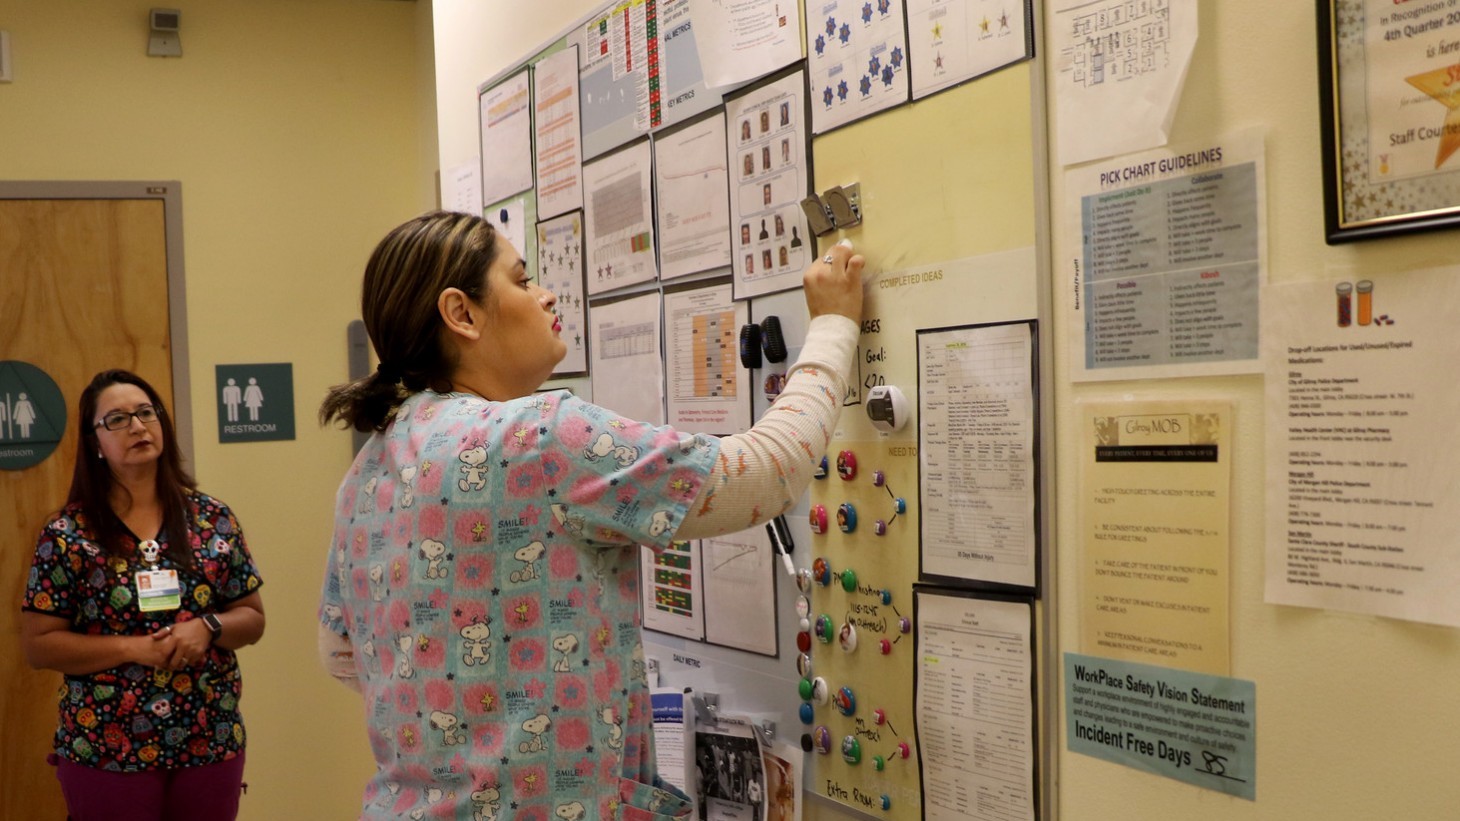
856	55
953	41
560	270
506	136
640	71
620	219
691	196
557	141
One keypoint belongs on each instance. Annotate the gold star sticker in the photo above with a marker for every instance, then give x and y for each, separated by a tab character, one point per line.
984	26
938	31
1439	85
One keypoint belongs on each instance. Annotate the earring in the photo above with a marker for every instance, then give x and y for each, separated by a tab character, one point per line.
100	455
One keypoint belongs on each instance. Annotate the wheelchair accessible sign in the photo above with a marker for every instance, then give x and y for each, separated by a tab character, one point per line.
255	402
32	415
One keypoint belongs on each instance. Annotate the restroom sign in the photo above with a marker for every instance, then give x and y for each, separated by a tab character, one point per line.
255	402
32	415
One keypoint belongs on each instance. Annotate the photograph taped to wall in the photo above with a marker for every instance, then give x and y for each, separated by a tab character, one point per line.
557	141
619	215
560	270
692	197
770	174
729	770
856	60
978	479
506	137
627	371
969	643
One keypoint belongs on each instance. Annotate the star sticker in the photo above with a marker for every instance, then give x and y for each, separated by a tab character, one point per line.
1004	20
897	57
1439	85
827	96
866	12
984	25
841	90
937	31
887	76
846	34
938	60
820	45
830	26
865	86
883	6
874	65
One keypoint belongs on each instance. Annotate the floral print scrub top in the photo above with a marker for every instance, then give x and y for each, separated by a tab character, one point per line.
485	570
136	717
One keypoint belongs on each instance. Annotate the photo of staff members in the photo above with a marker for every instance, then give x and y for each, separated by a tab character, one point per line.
765	194
780	226
764	234
795	237
765	121
747	165
765	158
750	263
786	151
744	233
765	259
744	130
785	113
784	256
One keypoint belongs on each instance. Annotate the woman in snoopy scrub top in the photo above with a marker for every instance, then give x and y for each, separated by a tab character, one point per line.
482	585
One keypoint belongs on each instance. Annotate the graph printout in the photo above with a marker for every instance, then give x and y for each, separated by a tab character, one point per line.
506	138
620	216
692	198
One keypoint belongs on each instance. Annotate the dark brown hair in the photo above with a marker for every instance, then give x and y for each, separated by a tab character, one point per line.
92	481
403	279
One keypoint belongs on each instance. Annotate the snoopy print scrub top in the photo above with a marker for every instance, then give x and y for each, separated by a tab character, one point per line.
485	570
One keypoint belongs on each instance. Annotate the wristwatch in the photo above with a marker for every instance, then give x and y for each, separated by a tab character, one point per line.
210	620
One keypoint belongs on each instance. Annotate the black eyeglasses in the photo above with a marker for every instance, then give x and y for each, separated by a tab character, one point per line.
117	420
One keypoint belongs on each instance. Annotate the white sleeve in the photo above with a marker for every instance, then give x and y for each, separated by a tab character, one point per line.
761	473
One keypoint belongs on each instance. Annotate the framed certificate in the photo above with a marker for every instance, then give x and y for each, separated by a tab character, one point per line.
1390	103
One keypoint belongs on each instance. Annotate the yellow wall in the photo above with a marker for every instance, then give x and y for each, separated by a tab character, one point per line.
301	131
1355	714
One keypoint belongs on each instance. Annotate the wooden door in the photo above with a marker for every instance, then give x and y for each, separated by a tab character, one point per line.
83	288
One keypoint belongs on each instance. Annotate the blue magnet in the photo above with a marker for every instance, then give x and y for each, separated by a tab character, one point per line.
899	505
846	517
820	472
886	596
845	701
808	713
821	571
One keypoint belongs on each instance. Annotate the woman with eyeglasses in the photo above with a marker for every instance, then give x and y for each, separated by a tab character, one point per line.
140	589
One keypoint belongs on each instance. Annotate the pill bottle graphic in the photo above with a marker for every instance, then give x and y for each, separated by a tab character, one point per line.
1345	304
1365	290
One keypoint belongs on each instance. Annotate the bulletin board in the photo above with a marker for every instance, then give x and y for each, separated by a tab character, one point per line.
952	188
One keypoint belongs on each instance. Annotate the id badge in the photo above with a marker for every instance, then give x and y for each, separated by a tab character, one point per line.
158	590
